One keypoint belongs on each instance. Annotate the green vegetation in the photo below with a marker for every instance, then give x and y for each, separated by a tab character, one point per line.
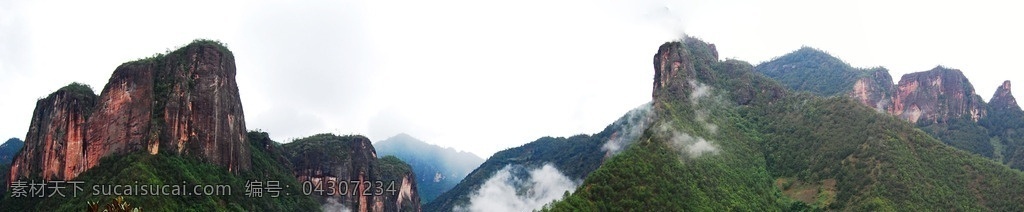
880	161
165	169
115	205
843	154
812	70
325	150
961	132
1006	128
78	90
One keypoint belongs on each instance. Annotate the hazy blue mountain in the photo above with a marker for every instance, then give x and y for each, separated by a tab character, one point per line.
8	149
437	169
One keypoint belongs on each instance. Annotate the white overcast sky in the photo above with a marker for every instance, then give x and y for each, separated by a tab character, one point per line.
475	75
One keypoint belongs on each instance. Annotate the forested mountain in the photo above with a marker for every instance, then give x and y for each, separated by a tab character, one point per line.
812	70
941	101
437	169
711	148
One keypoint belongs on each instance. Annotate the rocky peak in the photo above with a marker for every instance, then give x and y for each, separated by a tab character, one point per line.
330	158
875	89
935	95
678	63
185	102
55	144
671	64
1003	99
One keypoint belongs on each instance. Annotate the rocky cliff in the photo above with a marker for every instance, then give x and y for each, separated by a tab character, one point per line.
185	102
334	162
1003	99
875	89
936	95
670	63
54	146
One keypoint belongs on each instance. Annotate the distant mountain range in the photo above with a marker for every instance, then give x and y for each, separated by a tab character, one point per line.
437	169
8	149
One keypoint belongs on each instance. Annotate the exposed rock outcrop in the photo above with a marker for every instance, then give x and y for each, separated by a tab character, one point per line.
672	62
874	89
185	102
1003	98
54	146
936	95
339	162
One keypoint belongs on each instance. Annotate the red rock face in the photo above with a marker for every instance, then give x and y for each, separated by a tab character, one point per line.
671	64
121	122
202	114
875	90
1003	98
186	102
54	144
934	95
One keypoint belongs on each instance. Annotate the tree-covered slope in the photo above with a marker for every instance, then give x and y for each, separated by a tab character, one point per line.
789	152
941	101
437	169
812	70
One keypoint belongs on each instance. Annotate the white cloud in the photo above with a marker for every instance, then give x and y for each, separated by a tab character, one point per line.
507	191
631	128
332	205
686	144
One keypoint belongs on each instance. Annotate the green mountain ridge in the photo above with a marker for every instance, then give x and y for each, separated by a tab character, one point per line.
813	70
941	101
792	152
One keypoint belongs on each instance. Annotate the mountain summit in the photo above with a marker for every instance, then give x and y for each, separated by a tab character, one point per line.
1003	99
937	95
185	102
